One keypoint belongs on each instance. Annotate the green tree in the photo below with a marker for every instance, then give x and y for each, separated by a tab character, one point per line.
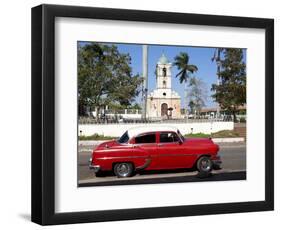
104	76
231	92
90	65
191	105
181	61
135	106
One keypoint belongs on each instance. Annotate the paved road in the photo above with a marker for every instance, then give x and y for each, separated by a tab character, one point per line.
234	168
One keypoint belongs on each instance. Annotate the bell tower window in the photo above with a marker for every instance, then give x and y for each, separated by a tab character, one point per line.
164	72
164	84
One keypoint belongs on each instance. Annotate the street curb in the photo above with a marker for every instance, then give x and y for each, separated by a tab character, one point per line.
216	140
228	140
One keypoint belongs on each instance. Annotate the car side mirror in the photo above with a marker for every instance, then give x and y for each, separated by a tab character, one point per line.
180	142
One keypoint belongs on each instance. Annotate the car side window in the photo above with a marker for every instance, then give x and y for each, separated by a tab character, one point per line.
168	137
146	138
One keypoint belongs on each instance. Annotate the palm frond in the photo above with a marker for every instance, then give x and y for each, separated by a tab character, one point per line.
192	68
214	56
179	73
184	76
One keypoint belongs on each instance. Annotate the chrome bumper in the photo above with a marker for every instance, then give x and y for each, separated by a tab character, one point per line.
96	168
217	164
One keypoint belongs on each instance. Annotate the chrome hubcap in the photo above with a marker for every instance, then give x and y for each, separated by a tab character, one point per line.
123	169
206	165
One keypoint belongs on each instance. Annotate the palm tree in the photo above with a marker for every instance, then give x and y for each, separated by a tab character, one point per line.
217	59
185	69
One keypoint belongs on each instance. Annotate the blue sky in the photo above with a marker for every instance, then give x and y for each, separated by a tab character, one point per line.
199	56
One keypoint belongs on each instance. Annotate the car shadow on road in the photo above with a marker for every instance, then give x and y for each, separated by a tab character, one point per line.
150	172
223	176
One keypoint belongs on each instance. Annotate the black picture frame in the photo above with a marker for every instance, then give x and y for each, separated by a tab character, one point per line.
43	114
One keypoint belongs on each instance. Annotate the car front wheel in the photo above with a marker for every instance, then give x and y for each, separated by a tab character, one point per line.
204	165
99	173
123	169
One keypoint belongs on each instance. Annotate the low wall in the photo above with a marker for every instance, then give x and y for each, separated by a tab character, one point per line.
117	130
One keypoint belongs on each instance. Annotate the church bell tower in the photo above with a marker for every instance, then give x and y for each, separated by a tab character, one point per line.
163	102
163	72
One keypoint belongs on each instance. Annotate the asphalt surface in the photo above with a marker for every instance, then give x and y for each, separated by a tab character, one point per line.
233	156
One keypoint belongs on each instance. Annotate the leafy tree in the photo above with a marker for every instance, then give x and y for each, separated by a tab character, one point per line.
197	95
191	105
181	61
90	66
104	76
135	106
231	92
114	105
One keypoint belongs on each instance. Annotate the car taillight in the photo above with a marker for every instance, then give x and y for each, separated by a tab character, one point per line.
218	147
94	149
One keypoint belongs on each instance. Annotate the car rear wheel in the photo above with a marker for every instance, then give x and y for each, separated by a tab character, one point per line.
123	169
204	165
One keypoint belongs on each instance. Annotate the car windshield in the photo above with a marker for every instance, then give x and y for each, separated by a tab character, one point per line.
124	138
180	135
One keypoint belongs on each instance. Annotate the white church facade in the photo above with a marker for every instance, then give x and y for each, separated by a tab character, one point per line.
163	102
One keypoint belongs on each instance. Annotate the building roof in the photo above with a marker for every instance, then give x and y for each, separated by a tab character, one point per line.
150	128
214	109
163	59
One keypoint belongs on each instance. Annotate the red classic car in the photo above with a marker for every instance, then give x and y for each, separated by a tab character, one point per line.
154	148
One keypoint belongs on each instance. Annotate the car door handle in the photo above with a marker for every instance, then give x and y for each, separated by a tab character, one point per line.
160	144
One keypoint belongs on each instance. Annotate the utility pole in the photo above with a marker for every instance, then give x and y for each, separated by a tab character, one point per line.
218	80
145	80
185	99
217	58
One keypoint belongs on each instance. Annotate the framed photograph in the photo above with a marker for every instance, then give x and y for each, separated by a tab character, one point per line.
143	114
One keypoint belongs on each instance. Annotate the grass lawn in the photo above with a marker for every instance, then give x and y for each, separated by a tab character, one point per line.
220	134
225	133
95	137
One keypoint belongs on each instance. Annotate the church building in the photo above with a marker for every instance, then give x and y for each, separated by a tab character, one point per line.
163	102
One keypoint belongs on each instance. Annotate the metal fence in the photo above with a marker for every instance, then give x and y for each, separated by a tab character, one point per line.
132	116
90	120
